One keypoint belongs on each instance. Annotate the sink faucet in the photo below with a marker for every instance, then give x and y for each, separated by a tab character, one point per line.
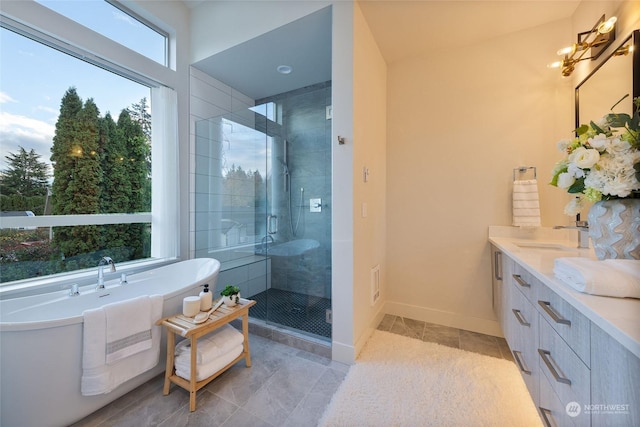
104	260
583	236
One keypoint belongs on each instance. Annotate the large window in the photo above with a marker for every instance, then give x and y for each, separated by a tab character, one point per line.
117	23
75	160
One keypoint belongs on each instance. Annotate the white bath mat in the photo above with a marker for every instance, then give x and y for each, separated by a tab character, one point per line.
401	381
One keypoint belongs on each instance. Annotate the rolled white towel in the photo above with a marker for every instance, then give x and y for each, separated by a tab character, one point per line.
612	277
206	370
211	346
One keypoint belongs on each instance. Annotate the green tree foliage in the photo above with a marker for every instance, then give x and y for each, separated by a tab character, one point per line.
25	175
100	166
243	188
138	154
77	173
139	113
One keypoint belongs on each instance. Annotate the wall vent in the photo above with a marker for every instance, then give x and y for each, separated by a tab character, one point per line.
375	284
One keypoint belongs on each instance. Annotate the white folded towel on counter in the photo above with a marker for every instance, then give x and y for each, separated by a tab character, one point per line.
526	205
612	277
211	346
183	365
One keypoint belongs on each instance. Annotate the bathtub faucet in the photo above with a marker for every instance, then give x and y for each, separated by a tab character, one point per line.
103	261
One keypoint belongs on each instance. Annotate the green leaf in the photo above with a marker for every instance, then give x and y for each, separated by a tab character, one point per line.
577	187
582	130
596	127
618	120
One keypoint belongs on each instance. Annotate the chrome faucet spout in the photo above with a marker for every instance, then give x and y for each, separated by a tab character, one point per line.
583	235
104	261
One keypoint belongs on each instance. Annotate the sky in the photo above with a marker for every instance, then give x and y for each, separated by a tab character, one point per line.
34	78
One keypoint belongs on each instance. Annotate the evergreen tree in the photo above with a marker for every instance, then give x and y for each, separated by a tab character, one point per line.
116	188
138	155
25	175
77	176
140	114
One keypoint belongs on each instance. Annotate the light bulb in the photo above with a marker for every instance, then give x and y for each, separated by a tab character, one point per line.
567	50
607	25
556	64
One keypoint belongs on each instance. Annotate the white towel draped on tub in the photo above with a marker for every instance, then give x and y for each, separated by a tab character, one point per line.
526	205
611	277
120	341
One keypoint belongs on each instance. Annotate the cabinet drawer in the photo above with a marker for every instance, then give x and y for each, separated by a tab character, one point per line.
554	413
524	281
523	337
568	322
569	377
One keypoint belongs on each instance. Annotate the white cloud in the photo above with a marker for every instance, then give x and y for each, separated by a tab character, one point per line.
20	131
120	16
4	98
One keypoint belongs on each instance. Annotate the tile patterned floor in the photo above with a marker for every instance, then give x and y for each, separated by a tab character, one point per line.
284	387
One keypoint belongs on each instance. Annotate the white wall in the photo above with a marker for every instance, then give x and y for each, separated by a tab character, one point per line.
459	122
370	143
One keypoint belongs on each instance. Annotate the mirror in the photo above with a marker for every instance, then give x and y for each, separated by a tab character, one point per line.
615	77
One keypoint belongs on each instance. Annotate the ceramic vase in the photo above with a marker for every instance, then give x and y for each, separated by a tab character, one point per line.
614	228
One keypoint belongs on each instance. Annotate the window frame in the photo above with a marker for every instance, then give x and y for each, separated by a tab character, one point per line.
30	28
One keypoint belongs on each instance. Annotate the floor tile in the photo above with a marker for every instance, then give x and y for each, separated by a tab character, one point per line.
443	335
285	386
480	343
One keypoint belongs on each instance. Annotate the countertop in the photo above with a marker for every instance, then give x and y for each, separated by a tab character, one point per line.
619	317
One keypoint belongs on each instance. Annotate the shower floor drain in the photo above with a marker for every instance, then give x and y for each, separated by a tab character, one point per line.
293	310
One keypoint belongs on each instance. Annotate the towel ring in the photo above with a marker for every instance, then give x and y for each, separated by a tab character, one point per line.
523	169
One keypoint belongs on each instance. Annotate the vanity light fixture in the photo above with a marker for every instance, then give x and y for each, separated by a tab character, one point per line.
595	41
284	69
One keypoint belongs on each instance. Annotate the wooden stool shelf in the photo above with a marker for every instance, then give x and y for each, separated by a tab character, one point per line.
185	327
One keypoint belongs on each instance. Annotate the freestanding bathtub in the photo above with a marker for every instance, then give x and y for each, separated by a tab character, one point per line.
41	343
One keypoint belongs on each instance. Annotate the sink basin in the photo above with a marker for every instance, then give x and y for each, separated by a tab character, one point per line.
546	246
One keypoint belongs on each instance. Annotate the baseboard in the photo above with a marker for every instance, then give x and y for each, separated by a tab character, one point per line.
349	353
343	353
445	318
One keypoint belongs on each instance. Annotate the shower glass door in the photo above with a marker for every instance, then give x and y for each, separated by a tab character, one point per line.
262	202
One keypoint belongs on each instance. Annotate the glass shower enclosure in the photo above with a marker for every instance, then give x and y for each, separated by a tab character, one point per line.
262	206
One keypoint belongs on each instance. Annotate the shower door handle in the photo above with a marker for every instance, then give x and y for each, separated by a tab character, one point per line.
272	224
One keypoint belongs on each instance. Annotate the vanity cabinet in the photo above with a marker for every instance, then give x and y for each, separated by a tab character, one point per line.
577	374
615	382
521	321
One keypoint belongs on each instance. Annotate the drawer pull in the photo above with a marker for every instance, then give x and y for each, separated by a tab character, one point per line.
497	265
520	318
546	306
521	365
546	358
547	417
521	281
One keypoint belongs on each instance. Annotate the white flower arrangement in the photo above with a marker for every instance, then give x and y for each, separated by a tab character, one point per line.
602	162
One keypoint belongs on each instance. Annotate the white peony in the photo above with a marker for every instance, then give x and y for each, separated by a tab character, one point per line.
574	207
599	142
584	158
565	180
575	171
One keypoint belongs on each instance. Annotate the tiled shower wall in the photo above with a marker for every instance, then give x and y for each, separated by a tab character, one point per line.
211	98
306	124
